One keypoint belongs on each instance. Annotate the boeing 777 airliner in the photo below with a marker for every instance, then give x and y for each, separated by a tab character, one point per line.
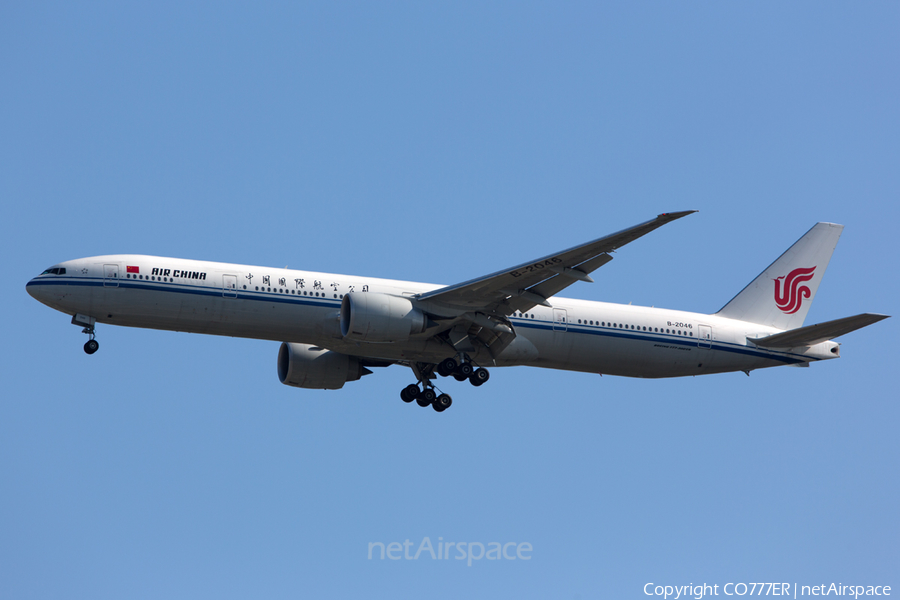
334	327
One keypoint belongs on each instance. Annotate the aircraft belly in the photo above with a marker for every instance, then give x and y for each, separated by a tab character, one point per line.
428	351
618	353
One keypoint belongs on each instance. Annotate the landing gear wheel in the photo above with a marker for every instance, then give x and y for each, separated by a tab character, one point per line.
446	367
479	376
442	403
459	377
91	346
409	393
426	397
465	369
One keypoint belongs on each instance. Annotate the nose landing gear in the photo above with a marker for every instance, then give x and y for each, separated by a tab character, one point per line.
91	345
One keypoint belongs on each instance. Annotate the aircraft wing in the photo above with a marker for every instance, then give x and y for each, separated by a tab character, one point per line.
522	287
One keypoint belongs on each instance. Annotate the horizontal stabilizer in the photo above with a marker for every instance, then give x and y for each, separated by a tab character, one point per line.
814	334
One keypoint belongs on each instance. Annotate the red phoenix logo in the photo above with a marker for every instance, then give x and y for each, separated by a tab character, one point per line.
789	297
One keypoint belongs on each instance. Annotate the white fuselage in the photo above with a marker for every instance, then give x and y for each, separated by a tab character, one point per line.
303	306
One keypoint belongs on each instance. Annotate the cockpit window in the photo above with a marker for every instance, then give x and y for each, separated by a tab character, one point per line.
55	271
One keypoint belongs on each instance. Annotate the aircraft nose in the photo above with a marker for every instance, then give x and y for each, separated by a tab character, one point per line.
31	288
36	290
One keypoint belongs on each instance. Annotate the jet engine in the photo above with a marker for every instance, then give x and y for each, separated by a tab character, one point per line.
371	317
305	366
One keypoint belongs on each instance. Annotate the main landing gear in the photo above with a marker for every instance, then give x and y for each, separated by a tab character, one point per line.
427	395
463	370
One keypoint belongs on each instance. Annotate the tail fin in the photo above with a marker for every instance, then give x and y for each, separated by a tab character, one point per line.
782	294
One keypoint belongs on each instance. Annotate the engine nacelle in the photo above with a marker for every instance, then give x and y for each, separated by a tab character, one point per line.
370	317
305	366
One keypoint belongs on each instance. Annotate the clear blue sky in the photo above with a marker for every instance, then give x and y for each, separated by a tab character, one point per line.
439	142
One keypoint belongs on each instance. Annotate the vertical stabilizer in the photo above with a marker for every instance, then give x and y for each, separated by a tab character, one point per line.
782	294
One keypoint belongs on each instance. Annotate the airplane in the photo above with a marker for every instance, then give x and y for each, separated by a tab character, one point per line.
334	328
